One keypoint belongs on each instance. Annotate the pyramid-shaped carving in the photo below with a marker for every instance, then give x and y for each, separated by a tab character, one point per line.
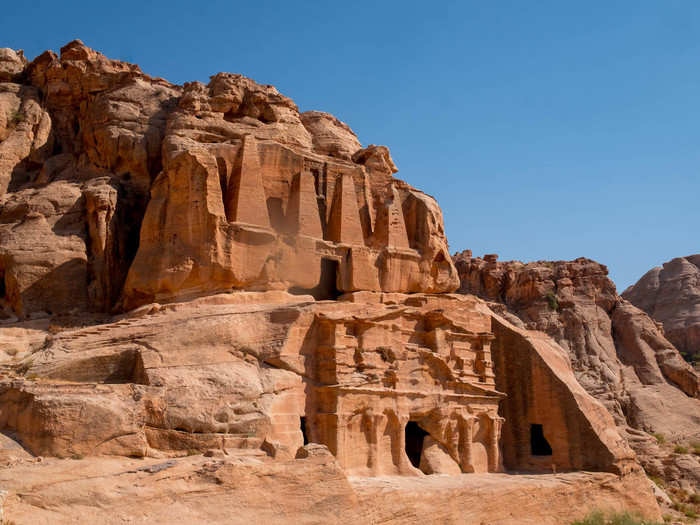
302	214
246	193
344	225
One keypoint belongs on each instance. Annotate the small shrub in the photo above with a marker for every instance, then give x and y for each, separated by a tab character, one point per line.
657	480
594	518
552	300
690	513
77	456
681	507
621	518
696	447
660	438
16	117
694	498
679	449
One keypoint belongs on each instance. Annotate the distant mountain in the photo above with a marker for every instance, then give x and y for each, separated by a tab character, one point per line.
671	295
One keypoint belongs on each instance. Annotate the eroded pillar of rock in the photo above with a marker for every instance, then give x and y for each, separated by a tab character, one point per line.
100	205
303	216
246	195
344	224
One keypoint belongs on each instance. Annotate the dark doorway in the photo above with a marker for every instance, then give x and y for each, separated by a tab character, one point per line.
303	430
539	446
414	442
327	287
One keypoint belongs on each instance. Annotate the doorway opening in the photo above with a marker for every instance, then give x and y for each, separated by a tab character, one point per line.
415	436
539	446
303	430
327	287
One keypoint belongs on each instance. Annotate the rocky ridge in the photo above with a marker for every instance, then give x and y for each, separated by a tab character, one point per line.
618	353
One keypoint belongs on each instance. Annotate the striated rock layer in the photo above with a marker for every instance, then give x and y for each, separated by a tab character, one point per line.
671	296
619	355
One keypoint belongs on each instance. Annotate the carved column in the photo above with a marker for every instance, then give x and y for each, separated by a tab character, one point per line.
374	422
466	431
494	452
341	433
401	442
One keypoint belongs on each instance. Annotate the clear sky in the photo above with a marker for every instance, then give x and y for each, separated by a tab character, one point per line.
545	129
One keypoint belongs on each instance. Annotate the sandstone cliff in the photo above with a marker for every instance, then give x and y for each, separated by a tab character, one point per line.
618	353
671	296
118	189
203	270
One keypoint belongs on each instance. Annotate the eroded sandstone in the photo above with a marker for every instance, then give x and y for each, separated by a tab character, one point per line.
203	269
619	355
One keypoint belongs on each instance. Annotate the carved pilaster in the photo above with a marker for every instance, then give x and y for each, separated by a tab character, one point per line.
404	464
495	436
466	431
375	424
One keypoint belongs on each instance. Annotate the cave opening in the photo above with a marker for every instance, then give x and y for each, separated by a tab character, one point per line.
303	430
539	446
415	436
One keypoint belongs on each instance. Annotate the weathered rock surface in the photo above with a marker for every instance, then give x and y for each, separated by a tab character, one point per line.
618	353
671	296
179	190
12	64
335	373
204	269
243	488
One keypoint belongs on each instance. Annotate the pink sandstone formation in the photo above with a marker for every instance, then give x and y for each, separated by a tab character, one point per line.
619	355
248	300
671	295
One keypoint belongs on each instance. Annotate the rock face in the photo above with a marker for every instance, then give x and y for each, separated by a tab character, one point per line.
671	296
204	269
237	489
194	189
386	381
618	354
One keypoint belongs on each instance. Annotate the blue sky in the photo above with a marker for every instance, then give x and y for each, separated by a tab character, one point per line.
546	130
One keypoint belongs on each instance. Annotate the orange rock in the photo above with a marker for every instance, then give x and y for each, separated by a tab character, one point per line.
201	268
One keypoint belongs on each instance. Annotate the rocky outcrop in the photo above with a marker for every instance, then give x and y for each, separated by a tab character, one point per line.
278	373
619	355
204	269
181	190
671	296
